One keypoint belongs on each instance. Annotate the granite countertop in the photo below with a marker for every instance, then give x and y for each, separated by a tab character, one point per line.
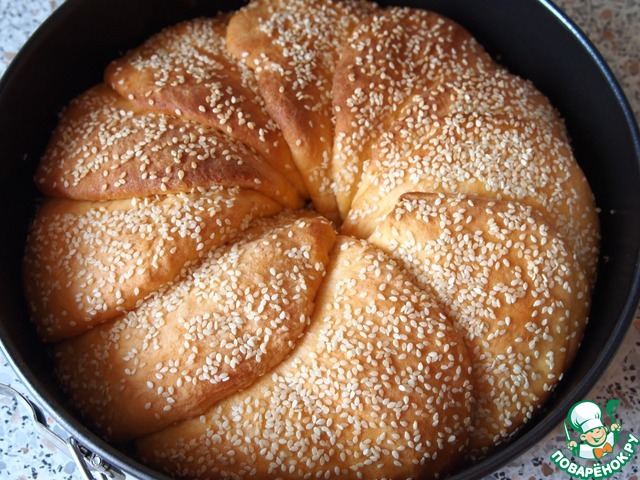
612	25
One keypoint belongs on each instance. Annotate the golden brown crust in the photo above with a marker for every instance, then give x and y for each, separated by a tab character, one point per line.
293	47
491	135
232	318
185	70
389	58
105	148
377	388
87	262
208	333
512	285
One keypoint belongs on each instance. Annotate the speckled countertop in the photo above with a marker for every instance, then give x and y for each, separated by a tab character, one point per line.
614	27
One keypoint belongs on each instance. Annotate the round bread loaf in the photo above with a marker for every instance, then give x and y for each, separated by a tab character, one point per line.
311	239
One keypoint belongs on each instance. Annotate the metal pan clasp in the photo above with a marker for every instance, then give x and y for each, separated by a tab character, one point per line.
90	465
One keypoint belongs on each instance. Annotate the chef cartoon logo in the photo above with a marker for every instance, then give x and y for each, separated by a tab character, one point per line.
595	439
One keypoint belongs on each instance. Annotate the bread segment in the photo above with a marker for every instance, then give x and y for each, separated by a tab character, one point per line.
511	284
379	387
87	262
231	319
293	47
491	135
105	148
186	71
390	57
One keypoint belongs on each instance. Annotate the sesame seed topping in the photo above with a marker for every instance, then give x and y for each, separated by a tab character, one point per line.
186	70
237	320
200	308
94	260
293	49
296	407
531	300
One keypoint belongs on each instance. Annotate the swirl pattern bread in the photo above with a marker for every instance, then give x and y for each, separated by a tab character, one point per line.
311	240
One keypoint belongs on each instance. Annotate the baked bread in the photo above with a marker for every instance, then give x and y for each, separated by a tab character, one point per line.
311	239
509	283
362	395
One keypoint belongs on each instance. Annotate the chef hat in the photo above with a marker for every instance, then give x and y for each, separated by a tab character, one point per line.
585	416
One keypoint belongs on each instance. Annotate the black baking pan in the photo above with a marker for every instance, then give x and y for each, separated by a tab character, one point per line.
69	52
